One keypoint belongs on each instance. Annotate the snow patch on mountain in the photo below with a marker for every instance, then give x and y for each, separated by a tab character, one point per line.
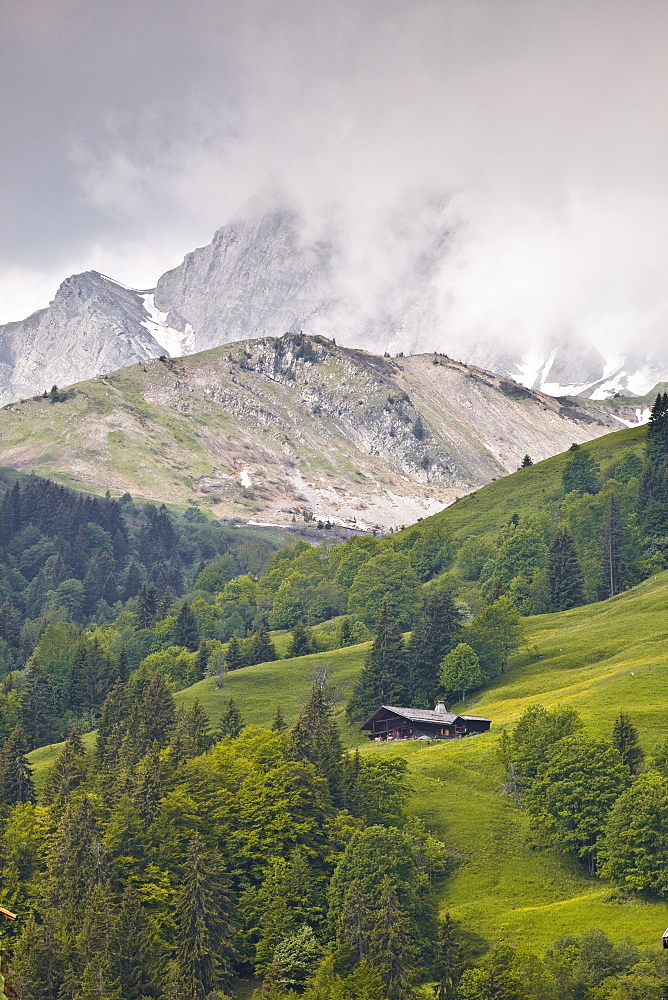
175	343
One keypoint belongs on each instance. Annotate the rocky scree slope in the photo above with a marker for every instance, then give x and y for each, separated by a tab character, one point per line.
276	429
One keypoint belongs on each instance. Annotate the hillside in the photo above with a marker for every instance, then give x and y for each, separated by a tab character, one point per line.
528	491
274	429
598	659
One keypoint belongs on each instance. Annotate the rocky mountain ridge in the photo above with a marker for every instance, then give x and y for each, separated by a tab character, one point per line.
280	428
263	275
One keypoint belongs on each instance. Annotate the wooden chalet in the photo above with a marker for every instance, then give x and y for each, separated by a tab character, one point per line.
665	938
391	723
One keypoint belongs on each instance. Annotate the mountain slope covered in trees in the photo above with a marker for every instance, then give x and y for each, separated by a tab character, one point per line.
218	851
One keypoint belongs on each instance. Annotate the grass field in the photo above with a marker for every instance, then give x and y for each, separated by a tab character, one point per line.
598	658
528	490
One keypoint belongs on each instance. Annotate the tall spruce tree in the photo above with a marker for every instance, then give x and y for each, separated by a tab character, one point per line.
147	604
612	543
653	494
93	673
391	949
581	473
316	739
564	575
300	644
233	657
65	775
110	727
449	963
355	922
260	647
383	678
37	707
15	772
185	631
204	943
134	962
231	722
625	738
434	633
279	725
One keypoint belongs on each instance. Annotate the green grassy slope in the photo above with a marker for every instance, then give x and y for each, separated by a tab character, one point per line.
598	658
528	490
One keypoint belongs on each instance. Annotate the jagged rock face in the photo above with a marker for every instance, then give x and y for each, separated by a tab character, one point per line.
268	429
92	326
256	278
262	275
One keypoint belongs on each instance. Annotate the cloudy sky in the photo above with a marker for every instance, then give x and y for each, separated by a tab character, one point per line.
132	129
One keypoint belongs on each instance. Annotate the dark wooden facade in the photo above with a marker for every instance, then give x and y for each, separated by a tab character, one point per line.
390	722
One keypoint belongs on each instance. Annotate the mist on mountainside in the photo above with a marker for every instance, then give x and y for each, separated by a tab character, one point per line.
483	180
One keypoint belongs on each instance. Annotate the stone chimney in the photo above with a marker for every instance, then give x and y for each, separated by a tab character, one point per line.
440	707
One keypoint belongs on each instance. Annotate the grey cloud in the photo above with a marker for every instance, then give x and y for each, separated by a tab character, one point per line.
532	133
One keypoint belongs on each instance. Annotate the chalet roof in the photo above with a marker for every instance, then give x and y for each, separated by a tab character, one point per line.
422	714
435	716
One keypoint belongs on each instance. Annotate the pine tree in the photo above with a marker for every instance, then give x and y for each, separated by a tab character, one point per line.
76	862
433	635
65	775
148	788
526	461
563	571
261	648
204	948
15	771
653	494
231	722
93	940
612	549
391	949
279	725
37	959
75	742
110	727
233	657
656	448
300	644
93	672
581	473
147	604
98	983
625	739
202	660
355	922
345	632
316	739
186	632
383	679
37	708
132	962
448	965
157	710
